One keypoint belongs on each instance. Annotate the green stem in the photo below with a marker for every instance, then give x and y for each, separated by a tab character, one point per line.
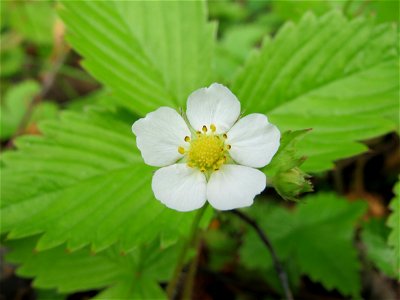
191	275
171	288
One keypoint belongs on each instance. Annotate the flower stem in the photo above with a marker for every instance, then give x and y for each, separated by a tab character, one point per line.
277	265
172	286
191	275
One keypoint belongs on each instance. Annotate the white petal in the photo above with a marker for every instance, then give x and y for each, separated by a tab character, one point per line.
159	135
234	186
180	187
254	141
213	105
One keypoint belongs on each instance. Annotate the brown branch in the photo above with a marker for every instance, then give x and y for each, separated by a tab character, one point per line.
277	265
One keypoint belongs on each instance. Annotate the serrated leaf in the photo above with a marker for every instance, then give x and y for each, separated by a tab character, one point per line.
235	46
317	236
84	182
374	237
122	276
150	53
330	74
394	223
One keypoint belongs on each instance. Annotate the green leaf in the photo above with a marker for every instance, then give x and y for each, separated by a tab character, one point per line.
34	20
317	236
84	182
148	53
42	294
122	276
12	54
374	237
295	9
14	106
330	74
394	223
235	46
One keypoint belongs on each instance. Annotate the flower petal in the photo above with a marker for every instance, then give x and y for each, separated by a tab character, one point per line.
254	141
159	135
213	105
234	186
180	187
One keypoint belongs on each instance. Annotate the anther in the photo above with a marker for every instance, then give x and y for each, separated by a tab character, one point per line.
204	128
225	136
228	147
213	128
181	150
187	139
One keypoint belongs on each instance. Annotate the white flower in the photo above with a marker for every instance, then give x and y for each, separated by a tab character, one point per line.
211	157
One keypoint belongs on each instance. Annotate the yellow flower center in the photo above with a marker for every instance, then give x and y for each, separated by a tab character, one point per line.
207	151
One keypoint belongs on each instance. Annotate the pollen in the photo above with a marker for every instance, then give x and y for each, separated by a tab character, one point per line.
207	151
181	150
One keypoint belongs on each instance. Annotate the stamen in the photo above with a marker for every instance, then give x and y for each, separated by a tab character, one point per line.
228	147
181	150
225	136
207	151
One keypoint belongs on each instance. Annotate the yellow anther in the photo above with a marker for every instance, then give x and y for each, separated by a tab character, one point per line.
228	147
225	136
181	150
187	139
204	128
213	128
206	152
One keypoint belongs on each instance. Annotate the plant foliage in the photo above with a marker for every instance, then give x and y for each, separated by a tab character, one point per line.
84	183
336	76
149	53
76	201
124	276
317	237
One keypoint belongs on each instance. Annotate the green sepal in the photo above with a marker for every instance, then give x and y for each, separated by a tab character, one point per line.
283	173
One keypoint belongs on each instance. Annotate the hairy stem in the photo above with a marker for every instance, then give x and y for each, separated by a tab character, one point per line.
172	286
283	278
